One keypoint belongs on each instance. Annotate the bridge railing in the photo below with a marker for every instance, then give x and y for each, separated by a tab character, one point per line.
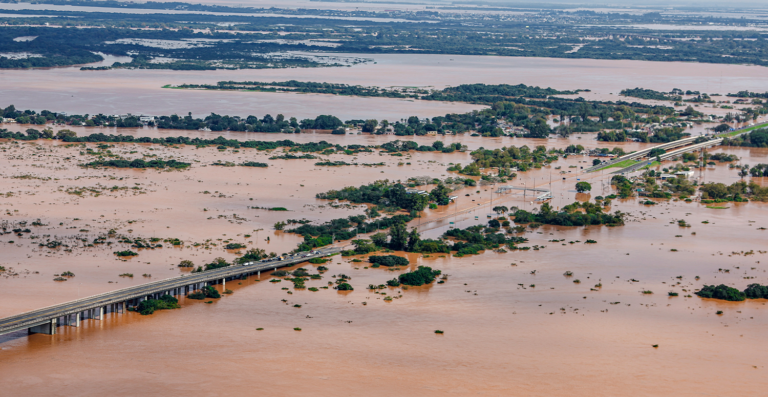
35	317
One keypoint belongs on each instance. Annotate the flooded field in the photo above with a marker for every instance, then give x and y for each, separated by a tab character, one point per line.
514	323
123	91
563	317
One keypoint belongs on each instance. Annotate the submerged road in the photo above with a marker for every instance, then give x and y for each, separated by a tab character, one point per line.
47	317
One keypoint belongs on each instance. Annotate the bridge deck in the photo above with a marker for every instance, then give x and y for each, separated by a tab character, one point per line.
45	315
668	145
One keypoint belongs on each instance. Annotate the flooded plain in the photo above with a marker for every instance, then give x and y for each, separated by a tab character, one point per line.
121	91
514	323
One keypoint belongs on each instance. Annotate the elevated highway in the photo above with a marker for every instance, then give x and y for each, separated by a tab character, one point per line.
642	153
686	145
716	140
46	320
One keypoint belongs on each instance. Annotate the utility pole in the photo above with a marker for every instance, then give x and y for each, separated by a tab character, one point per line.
455	211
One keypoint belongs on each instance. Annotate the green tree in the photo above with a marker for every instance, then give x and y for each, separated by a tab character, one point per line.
327	122
582	187
759	138
596	162
252	255
398	236
370	126
413	239
383	128
440	194
65	133
714	190
500	209
380	239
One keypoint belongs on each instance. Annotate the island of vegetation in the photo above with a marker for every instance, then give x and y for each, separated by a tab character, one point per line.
724	292
165	302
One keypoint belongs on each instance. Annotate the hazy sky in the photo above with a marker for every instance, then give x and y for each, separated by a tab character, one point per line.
525	3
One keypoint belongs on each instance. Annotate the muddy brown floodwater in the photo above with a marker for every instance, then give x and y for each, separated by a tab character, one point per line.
508	330
123	91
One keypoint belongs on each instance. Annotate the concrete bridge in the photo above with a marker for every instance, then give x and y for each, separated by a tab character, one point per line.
642	153
46	320
685	145
716	140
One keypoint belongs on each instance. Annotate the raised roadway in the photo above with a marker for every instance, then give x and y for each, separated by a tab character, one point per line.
686	142
45	315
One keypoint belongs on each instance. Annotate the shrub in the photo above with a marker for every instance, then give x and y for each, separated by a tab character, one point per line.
150	305
318	261
673	294
125	253
186	263
721	291
234	246
756	291
422	275
344	287
388	260
393	283
205	292
253	164
300	272
582	187
217	263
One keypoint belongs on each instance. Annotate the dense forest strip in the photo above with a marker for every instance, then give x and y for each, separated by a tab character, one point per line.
643	93
514	110
473	93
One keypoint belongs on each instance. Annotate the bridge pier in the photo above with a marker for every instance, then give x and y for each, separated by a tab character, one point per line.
48	328
223	284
